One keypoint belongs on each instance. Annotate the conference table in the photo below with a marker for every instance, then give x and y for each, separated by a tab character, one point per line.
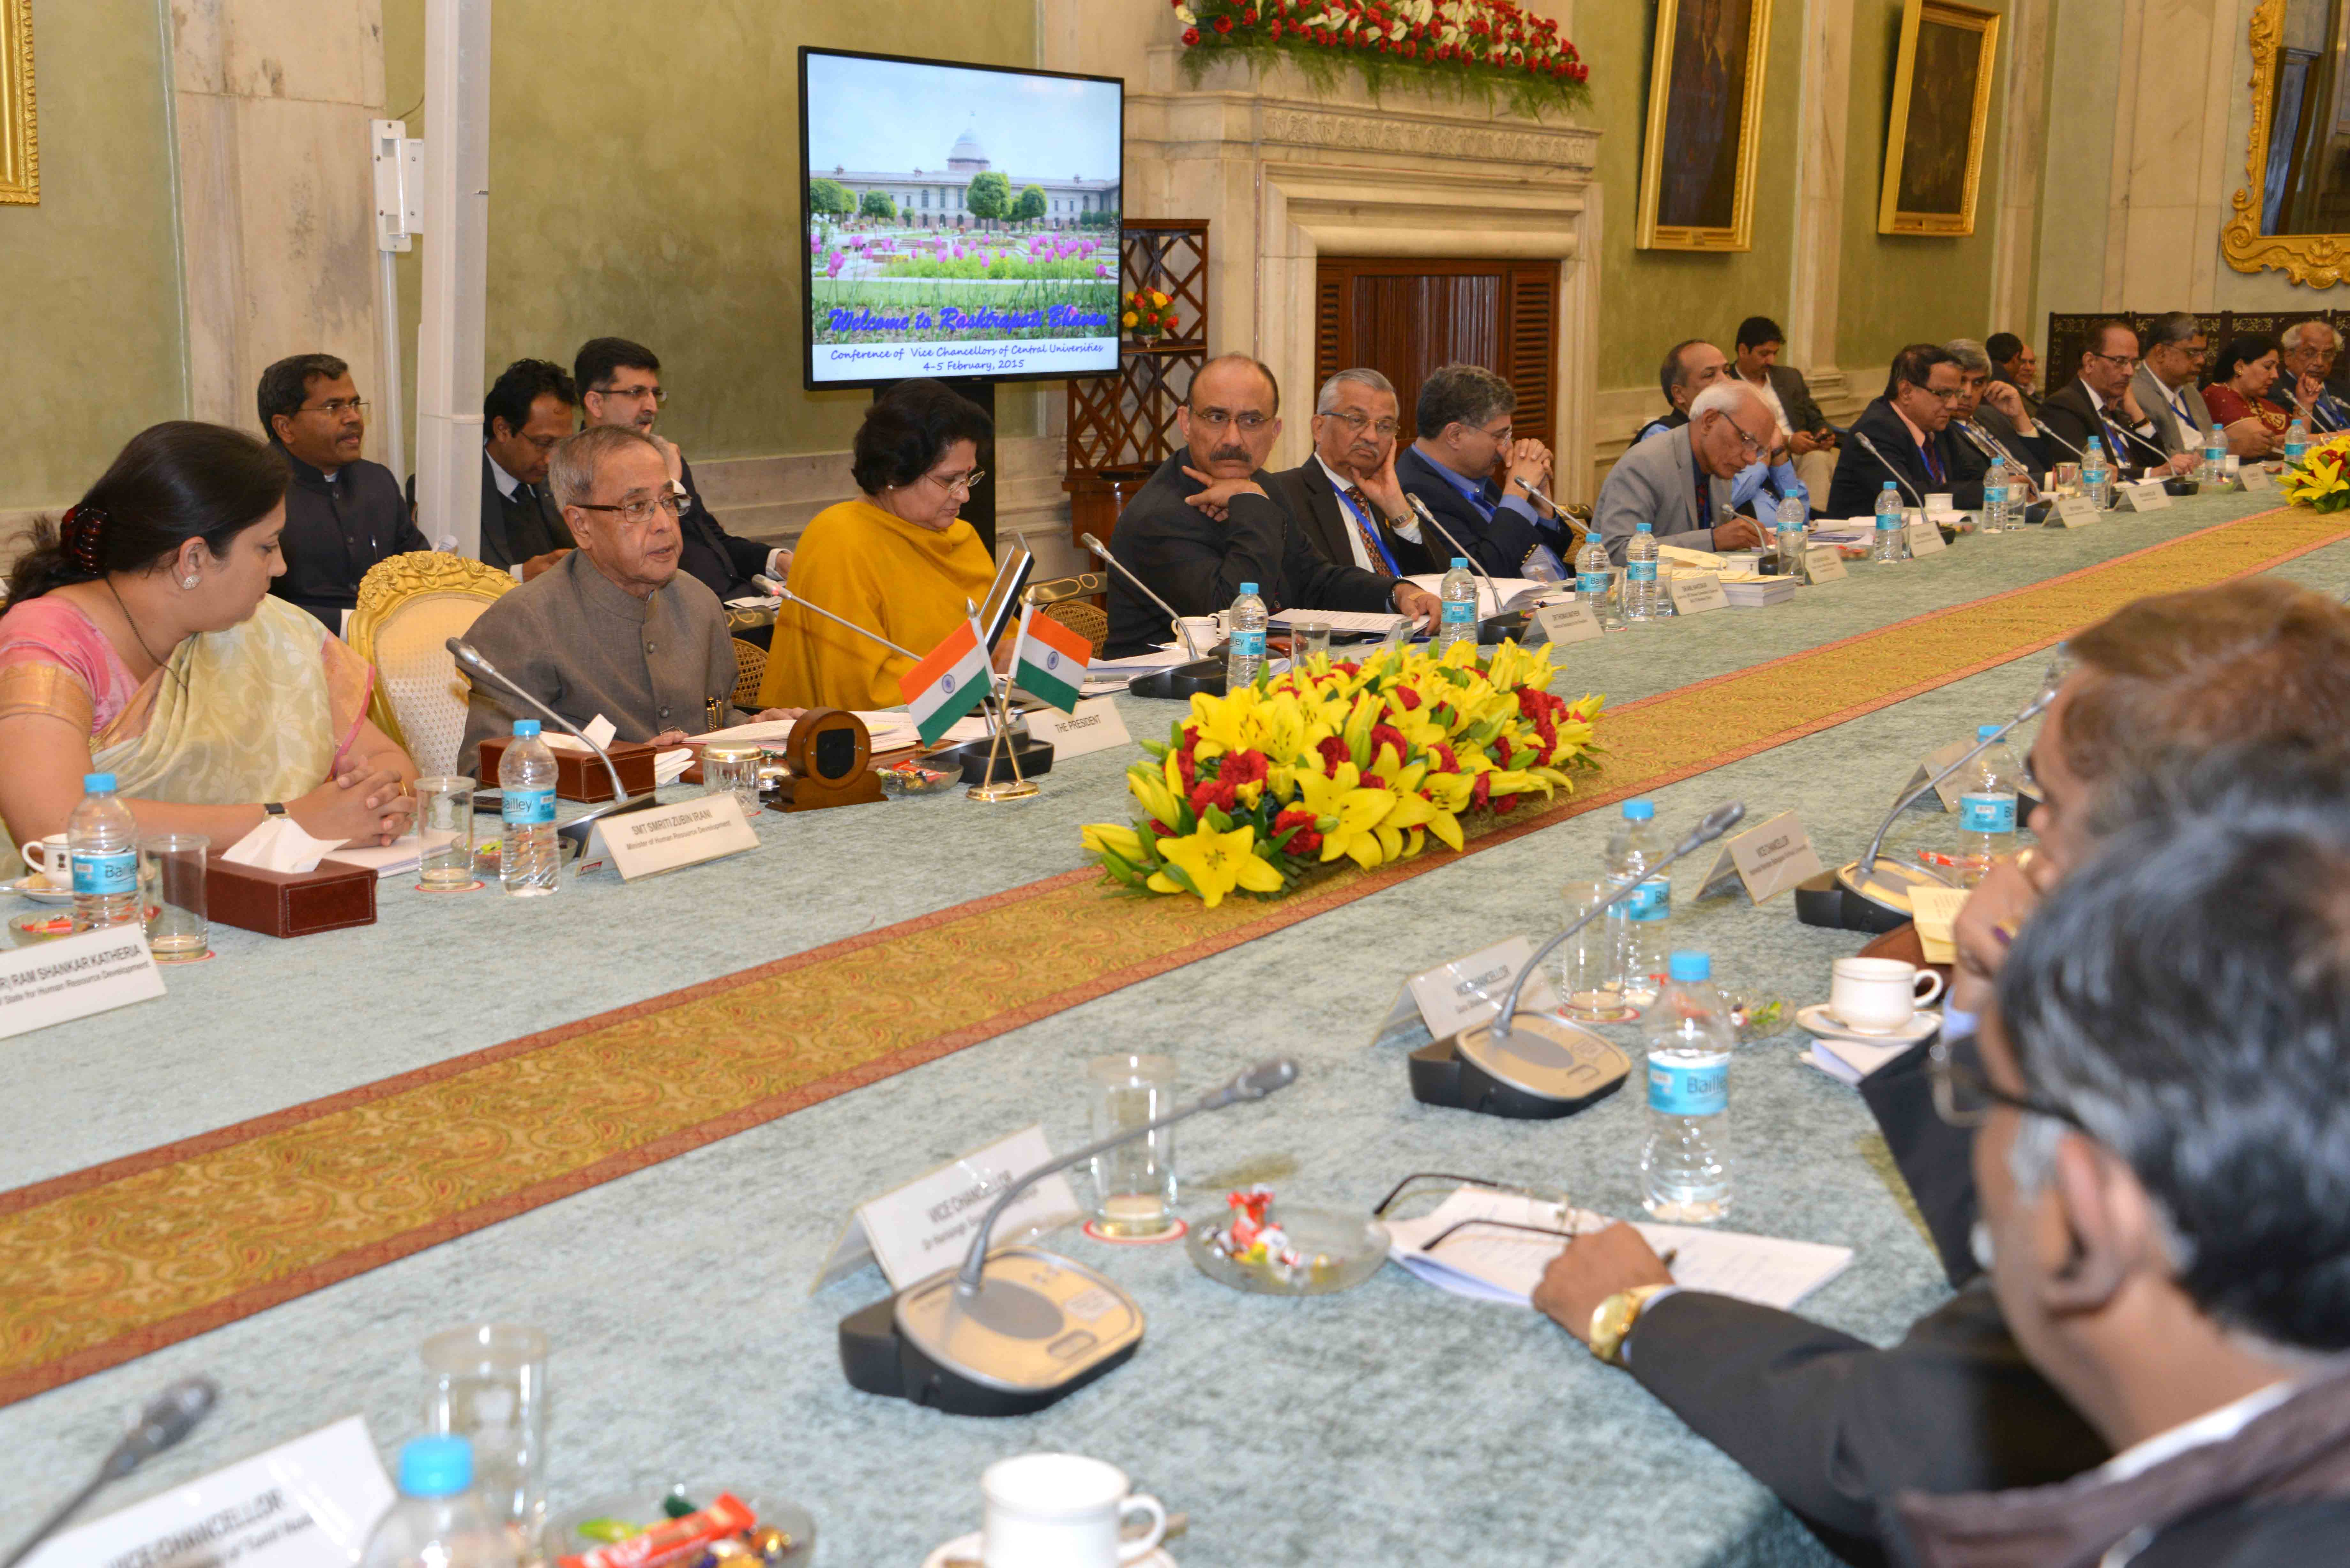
1392	1424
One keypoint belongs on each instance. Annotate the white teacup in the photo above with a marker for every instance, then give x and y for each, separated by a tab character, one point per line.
1937	502
1063	1511
1879	996
1207	630
49	859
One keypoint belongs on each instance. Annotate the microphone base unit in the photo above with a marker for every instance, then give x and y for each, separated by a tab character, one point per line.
1546	1069
1844	900
1040	1328
1183	682
1508	627
577	832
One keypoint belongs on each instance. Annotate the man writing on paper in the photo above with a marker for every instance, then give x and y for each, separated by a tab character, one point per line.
1679	483
1204	524
1345	496
612	628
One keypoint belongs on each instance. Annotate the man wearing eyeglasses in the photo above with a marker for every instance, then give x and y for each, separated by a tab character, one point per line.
2308	351
1346	497
1469	467
1682	482
2176	347
526	411
343	514
619	384
614	630
2100	403
1910	427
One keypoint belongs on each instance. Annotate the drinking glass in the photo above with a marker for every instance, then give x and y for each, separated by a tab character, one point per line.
734	768
1582	967
1312	637
2067	481
1134	1184
487	1383
172	891
444	827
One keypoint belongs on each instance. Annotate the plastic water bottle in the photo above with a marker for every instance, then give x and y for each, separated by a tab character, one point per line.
527	855
2215	458
439	1521
2096	479
1640	591
1791	537
1636	927
1888	543
1595	574
2296	442
1685	1164
1986	808
1994	503
1458	621
102	837
1244	651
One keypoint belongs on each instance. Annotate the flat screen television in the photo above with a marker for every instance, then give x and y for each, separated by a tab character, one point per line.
960	221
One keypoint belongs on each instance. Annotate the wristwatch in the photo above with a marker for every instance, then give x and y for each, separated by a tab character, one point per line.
273	807
1612	1321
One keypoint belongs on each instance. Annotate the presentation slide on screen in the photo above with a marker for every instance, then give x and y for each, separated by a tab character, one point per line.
960	222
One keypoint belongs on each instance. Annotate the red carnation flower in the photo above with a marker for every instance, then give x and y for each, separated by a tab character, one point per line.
1335	755
1481	792
1210	792
1243	767
1186	767
1502	750
1161	830
1190	35
1445	760
1373	781
1223	23
1502	803
1249	15
1275	31
1306	841
1406	699
1388	734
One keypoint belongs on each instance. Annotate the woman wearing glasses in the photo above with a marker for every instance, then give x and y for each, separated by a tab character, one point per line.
899	560
2246	369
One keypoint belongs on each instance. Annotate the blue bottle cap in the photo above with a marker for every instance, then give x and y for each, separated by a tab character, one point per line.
1889	484
97	784
1690	966
1639	810
525	728
1459	562
1642	528
1248	587
1985	731
436	1467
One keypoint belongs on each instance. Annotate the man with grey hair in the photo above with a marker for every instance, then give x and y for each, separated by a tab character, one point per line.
1679	483
2175	345
1470	469
611	631
1990	415
1346	497
2310	348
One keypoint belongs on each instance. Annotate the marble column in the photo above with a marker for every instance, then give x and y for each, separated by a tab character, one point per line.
2015	216
1819	189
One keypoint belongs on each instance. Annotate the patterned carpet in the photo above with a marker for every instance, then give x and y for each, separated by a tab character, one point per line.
108	1263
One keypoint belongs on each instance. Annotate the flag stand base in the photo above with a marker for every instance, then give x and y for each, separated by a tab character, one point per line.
1016	789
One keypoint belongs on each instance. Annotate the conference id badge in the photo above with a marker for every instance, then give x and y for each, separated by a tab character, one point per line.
526	808
1689	1089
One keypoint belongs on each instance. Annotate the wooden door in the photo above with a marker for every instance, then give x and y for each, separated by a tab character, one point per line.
1403	316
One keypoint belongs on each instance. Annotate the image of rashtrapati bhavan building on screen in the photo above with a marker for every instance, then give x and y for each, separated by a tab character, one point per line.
933	198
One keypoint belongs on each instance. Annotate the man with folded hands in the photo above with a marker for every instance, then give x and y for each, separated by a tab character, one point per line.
612	628
2256	668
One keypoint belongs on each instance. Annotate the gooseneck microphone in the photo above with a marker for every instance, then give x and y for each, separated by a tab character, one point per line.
784	592
577	829
166	1419
1428	519
2060	440
1901	477
1099	548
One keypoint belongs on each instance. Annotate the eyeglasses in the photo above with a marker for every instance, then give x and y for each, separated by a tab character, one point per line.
637	394
1218	418
1947	395
2127	361
336	408
965	482
1543	1204
1964	1095
1500	437
1753	448
1358	423
640	511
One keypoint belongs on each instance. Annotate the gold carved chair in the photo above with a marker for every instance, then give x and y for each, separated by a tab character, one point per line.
750	670
1070	601
410	606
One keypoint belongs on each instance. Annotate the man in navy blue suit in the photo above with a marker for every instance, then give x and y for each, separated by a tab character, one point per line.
1466	468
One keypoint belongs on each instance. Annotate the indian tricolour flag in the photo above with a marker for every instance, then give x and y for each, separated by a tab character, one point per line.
948	684
1049	659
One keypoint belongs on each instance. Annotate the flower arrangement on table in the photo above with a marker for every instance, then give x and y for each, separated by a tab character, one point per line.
1342	760
1484	50
2319	481
1148	316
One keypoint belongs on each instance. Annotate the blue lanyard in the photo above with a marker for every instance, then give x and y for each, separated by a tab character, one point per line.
1370	532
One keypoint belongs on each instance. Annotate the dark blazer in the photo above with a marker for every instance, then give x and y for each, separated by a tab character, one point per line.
2069	412
1859	475
1502	546
1796	397
513	531
723	562
335	530
1197	564
1313	503
2036	452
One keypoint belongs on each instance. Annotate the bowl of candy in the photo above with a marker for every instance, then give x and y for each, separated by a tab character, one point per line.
689	1524
907	776
1274	1249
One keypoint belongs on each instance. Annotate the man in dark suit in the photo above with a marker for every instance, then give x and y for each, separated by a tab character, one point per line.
343	514
1909	427
1466	441
1688	368
1204	524
1346	497
2100	403
527	410
619	384
1811	443
2013	362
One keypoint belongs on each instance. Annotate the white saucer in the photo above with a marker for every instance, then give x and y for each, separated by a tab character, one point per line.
968	1546
1820	1021
39	892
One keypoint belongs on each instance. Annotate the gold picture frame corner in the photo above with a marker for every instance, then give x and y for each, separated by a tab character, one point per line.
2312	261
20	134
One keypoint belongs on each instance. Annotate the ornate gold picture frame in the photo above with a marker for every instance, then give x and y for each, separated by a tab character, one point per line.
20	143
2319	261
1941	106
1705	117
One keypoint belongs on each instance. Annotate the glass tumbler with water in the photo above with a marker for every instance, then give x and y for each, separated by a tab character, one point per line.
733	766
487	1383
444	832
1134	1184
1583	967
172	888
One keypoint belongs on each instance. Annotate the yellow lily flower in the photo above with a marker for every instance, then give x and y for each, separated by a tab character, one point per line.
1122	842
1219	862
1355	833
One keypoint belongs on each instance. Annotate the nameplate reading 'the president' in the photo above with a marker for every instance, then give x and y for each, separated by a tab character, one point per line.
913	1231
1095	726
1694	592
2074	511
73	977
1769	858
648	843
1822	563
1925	536
2146	495
1570	622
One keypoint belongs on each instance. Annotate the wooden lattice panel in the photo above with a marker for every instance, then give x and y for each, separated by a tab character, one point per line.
1127	420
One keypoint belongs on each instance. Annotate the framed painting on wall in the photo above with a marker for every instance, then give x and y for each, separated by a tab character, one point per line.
1705	112
1941	106
20	148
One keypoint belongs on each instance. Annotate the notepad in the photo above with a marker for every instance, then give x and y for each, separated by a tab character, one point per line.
1505	1266
1937	913
1372	622
1850	1061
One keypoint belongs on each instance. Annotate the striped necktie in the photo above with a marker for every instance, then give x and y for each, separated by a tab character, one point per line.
1360	509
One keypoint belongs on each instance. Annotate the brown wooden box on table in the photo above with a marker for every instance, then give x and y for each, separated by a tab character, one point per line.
580	775
334	896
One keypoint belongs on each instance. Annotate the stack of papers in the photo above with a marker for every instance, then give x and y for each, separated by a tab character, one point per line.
890	728
396	858
1516	593
1749	593
1850	1061
1937	912
1341	622
1495	1265
667	766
